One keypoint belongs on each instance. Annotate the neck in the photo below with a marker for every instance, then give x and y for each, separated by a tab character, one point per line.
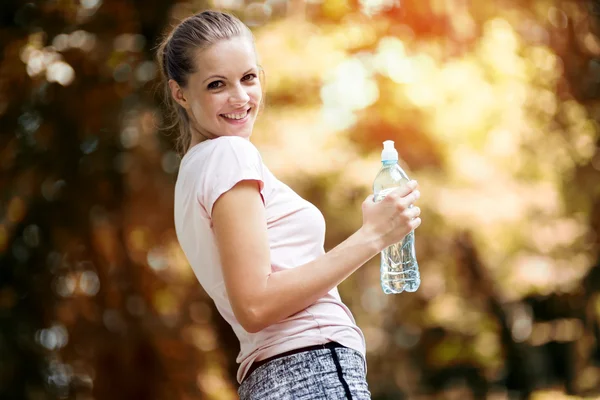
197	137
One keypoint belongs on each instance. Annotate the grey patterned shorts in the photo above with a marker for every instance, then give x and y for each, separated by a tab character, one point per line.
332	372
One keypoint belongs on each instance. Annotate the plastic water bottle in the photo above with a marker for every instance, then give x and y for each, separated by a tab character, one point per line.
399	267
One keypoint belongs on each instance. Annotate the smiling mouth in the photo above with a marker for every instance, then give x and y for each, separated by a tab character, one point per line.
237	116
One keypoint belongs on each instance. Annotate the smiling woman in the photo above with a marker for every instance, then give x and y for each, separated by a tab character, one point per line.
222	97
210	65
255	245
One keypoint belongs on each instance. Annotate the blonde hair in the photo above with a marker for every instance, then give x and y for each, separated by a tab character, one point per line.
175	56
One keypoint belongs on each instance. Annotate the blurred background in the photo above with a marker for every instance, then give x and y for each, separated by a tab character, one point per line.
493	106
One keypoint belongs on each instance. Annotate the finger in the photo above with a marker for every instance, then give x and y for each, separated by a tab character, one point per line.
415	223
413	212
406	201
404	190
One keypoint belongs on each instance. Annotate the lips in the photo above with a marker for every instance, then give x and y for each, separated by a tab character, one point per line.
236	116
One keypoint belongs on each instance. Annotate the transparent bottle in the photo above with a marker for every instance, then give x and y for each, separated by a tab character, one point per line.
399	267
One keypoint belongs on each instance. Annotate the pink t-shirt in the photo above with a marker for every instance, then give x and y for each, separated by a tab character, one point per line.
296	231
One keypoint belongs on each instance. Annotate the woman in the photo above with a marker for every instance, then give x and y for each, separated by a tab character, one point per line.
255	245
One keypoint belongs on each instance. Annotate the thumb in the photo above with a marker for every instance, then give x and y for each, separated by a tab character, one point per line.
369	199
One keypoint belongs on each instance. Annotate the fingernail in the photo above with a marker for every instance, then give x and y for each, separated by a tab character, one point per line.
413	183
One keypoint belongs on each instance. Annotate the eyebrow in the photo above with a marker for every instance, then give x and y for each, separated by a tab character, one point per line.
222	77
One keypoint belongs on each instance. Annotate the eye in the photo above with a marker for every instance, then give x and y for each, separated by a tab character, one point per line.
215	85
249	77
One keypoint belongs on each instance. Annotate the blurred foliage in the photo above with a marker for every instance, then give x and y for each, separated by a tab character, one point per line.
494	109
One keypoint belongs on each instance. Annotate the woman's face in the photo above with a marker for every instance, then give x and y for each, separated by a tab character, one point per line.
223	96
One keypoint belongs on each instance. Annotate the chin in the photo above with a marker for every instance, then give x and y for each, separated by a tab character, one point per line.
245	132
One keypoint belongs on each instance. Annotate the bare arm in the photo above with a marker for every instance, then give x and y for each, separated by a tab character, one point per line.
260	298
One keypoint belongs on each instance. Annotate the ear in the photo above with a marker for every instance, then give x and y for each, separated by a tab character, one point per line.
177	94
263	84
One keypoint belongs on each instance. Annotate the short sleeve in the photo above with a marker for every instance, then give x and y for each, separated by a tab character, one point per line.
232	160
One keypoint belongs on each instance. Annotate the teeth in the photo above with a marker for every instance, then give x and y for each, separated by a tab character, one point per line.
236	116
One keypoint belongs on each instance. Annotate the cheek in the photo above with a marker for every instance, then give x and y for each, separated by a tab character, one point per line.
206	105
256	93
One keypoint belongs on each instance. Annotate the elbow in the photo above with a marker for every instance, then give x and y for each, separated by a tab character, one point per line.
251	320
252	328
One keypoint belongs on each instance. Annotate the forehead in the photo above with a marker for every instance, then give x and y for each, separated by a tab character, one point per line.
226	55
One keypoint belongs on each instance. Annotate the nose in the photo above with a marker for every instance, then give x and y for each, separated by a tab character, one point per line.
238	96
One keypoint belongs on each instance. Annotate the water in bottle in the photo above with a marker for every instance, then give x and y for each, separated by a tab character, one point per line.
399	267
